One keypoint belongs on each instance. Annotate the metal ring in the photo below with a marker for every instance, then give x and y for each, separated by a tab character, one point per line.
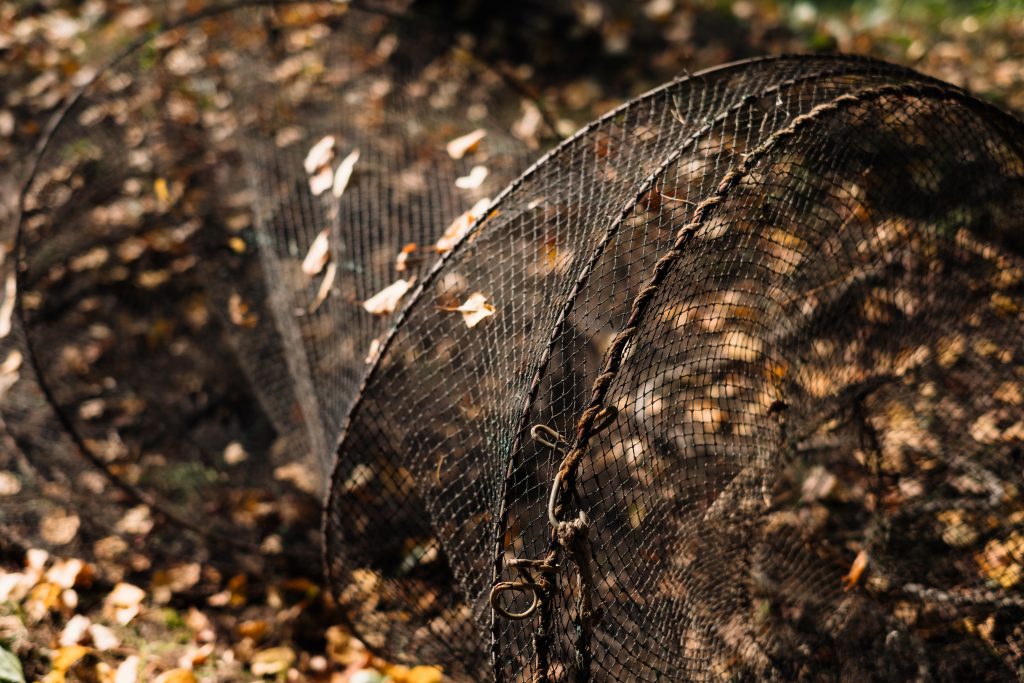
519	587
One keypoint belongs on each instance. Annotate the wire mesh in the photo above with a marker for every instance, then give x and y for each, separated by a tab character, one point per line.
727	386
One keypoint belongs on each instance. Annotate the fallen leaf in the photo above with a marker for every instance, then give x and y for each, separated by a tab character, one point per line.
325	287
373	353
860	563
272	661
65	656
344	173
128	670
464	144
461	225
10	485
196	656
103	638
321	154
74	631
138	520
59	527
318	254
474	309
176	676
402	260
234	453
161	191
321	181
123	603
318	165
175	579
424	674
473	180
239	312
7	307
386	300
64	573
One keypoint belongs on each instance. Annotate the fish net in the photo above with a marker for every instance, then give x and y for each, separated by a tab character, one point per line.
727	386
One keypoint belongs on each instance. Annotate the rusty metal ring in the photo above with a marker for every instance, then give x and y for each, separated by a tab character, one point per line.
519	587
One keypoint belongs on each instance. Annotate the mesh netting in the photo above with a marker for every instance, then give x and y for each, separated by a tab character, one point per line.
727	386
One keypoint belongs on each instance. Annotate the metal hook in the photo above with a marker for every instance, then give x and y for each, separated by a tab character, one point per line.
556	442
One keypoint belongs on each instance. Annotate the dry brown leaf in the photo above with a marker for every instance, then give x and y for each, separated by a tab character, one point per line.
321	181
7	307
174	579
10	485
860	563
298	475
64	573
123	603
176	676
253	628
318	254
476	177
138	520
344	173
234	453
74	631
321	154
325	287
464	144
386	300
373	353
272	661
402	260
461	225
128	670
474	309
103	638
59	527
196	656
239	312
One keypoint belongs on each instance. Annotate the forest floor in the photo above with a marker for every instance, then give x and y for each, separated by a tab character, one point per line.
181	620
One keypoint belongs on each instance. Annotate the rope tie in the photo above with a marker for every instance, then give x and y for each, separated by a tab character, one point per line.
569	536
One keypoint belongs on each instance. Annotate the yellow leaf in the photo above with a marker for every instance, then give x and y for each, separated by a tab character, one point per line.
860	563
464	144
161	191
386	300
65	657
237	245
424	674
